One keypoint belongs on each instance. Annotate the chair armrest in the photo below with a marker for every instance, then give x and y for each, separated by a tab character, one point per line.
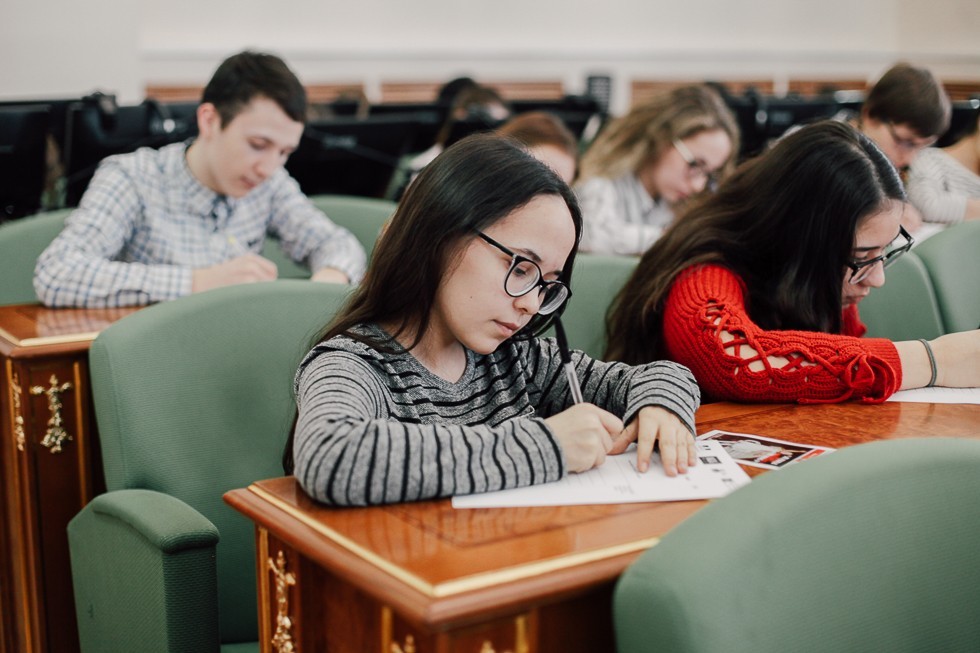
144	574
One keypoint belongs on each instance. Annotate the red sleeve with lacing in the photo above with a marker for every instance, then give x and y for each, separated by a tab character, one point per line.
708	300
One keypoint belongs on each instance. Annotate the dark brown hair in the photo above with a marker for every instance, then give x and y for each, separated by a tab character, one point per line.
784	222
244	76
906	95
472	185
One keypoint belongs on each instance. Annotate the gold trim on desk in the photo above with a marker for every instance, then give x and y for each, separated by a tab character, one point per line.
42	341
17	415
468	583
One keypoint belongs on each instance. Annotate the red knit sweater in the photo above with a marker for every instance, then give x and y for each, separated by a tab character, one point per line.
707	300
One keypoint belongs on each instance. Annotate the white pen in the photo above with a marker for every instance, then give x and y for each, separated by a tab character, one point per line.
237	249
566	359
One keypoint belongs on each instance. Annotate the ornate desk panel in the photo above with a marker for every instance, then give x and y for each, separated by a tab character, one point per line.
425	578
50	464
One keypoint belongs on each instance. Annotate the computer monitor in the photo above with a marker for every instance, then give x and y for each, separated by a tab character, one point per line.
97	128
751	125
568	103
352	156
576	111
471	125
429	116
57	123
964	116
23	159
783	113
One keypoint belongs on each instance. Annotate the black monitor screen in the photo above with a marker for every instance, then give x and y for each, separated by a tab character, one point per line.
23	149
352	156
96	131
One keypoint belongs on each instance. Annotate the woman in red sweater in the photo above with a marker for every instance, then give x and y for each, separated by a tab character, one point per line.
756	288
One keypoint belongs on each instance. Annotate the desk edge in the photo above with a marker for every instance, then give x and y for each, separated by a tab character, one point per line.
467	583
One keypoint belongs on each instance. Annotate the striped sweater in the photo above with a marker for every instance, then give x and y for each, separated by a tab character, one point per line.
377	428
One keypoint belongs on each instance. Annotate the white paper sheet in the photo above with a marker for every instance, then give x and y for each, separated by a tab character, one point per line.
617	481
939	396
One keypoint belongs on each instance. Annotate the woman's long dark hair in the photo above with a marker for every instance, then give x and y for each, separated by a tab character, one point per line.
475	183
784	222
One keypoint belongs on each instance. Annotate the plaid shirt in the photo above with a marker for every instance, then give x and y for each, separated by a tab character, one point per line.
145	223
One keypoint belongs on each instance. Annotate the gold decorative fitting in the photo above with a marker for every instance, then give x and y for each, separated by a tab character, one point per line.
408	648
56	433
19	436
282	641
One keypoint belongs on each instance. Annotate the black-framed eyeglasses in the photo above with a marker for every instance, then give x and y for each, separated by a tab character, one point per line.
524	275
861	269
696	167
907	144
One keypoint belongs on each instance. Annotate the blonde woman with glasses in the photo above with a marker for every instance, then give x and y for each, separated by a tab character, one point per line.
643	165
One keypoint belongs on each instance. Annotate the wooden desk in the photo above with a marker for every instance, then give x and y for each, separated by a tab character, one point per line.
50	464
424	577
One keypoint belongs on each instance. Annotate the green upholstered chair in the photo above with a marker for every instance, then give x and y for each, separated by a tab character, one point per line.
952	258
21	242
596	280
286	267
364	216
871	548
193	398
905	308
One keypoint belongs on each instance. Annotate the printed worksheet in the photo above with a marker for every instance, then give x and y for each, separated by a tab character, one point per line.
618	481
760	451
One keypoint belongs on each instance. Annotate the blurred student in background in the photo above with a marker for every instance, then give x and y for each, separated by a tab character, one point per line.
944	183
547	138
155	225
642	166
465	101
473	103
756	287
905	111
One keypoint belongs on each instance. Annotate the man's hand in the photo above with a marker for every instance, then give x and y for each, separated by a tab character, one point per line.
248	268
330	275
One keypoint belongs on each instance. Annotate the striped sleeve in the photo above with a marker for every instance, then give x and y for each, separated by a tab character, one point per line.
355	445
616	387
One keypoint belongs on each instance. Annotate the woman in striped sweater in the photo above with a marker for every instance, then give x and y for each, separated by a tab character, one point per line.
430	382
756	288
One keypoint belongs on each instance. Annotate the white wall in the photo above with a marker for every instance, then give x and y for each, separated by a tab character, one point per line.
65	47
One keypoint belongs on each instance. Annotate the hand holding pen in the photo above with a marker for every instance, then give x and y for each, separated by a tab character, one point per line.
242	267
677	450
584	431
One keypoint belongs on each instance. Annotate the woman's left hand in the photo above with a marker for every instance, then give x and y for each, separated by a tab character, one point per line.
652	423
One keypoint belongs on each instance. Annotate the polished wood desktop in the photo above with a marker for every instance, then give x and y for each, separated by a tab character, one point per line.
50	464
423	577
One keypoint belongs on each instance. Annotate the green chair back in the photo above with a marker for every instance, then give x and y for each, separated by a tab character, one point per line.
364	216
905	308
194	398
21	242
596	280
286	267
952	258
872	548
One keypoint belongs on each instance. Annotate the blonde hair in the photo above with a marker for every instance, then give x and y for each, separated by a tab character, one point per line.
649	129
